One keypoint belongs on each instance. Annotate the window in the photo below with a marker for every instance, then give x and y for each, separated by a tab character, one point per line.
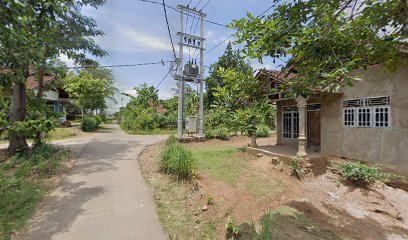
290	122
367	112
349	115
382	116
364	117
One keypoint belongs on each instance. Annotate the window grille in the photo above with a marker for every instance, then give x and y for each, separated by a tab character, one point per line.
364	117
353	103
367	112
382	116
290	122
349	117
378	101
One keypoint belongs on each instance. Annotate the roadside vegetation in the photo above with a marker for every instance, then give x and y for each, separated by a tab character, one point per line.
178	160
24	180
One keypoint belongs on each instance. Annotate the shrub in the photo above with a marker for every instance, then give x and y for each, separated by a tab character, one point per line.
99	120
221	133
232	230
171	140
296	166
177	160
89	124
266	231
262	131
359	172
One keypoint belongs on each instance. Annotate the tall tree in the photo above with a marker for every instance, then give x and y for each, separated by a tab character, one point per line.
87	92
32	32
244	97
326	39
231	59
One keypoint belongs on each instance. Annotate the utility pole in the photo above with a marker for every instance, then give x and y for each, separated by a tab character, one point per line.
190	72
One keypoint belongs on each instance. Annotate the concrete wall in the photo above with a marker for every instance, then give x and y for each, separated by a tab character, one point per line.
387	146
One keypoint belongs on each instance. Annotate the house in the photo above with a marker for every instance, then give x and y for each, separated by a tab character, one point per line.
368	121
55	96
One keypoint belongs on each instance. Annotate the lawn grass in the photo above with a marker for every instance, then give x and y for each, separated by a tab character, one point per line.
222	163
24	180
152	132
62	133
57	134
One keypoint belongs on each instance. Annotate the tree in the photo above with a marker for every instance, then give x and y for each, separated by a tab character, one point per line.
86	92
246	95
229	60
32	32
326	39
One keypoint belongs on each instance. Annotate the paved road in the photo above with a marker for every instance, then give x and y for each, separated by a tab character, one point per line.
104	196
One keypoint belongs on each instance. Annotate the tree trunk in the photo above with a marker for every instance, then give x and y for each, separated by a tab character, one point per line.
253	135
17	114
40	79
82	113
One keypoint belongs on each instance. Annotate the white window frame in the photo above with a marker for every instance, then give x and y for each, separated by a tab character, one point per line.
372	109
293	129
389	116
369	119
348	121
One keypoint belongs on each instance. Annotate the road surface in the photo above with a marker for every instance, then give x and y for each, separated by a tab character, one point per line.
103	197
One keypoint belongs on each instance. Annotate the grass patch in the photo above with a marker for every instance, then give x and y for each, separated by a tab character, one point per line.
223	163
61	133
151	132
23	183
261	187
286	223
177	159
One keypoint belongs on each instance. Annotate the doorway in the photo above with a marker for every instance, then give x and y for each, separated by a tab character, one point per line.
313	126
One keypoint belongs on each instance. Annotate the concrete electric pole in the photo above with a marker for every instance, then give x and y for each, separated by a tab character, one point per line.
190	72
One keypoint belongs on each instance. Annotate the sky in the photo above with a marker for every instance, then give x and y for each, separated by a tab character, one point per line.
136	32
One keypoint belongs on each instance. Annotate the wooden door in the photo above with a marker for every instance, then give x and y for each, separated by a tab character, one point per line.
313	129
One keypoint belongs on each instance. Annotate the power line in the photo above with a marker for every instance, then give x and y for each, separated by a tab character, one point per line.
167	74
175	9
197	4
223	41
168	28
123	65
205	5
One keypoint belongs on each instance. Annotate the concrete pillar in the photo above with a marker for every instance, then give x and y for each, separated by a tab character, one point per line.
301	104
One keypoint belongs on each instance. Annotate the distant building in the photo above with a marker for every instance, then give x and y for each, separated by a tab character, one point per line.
55	96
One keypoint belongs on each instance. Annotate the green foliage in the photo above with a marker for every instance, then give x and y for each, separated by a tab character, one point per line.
222	133
229	60
266	231
176	159
324	42
22	184
359	172
141	113
98	120
87	92
210	200
232	229
89	123
171	140
296	166
262	131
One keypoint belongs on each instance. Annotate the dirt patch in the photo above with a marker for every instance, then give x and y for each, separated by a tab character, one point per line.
3	155
319	165
328	207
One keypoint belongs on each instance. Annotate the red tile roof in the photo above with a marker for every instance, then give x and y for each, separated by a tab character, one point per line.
32	82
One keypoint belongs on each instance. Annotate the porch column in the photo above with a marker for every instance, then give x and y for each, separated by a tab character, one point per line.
301	104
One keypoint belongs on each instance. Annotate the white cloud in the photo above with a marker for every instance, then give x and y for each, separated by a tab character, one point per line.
145	42
66	60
